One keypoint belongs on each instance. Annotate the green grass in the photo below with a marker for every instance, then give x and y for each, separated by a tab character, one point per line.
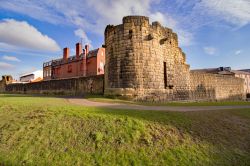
50	131
99	98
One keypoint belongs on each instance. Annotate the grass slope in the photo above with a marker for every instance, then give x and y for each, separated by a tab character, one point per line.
50	131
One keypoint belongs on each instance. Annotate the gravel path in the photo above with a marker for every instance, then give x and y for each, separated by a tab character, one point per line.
85	102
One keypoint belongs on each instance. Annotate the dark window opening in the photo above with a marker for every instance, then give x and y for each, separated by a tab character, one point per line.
69	68
150	37
8	78
130	34
165	74
59	70
162	41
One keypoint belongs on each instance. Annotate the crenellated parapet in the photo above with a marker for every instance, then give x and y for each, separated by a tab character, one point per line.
143	58
6	79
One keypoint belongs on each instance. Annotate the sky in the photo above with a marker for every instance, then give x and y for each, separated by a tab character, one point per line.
212	33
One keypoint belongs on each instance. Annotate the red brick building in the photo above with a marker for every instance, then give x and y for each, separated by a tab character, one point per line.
84	63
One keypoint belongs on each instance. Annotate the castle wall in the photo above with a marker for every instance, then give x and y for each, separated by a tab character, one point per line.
2	86
144	60
205	86
6	79
72	86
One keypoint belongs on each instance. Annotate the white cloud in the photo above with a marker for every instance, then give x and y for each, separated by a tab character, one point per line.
233	11
209	50
77	13
21	34
35	9
93	16
6	66
238	52
82	35
11	58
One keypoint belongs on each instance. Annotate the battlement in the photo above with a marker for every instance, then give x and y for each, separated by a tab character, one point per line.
143	57
137	26
7	78
135	19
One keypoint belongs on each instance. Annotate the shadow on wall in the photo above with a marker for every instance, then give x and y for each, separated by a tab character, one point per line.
201	93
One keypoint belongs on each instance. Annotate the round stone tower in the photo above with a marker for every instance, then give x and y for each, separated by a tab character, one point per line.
144	62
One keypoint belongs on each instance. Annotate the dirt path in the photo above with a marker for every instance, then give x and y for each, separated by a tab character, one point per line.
85	102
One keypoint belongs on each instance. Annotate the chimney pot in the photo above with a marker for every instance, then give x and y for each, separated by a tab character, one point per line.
86	49
65	53
78	50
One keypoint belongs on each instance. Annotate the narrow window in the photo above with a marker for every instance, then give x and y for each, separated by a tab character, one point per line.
130	34
69	68
81	67
165	74
59	70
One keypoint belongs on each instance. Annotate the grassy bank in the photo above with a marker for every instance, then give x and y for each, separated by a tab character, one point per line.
50	131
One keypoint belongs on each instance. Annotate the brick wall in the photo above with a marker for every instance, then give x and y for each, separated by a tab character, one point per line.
72	86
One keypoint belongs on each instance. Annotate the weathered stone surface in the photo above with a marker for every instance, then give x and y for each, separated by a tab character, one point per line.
205	86
6	79
72	86
144	62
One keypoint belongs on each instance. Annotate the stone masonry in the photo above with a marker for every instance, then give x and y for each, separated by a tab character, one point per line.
145	62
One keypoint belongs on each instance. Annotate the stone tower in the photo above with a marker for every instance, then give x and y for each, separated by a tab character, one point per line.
144	62
6	79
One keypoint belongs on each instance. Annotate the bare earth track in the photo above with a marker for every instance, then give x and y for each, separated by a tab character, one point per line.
85	102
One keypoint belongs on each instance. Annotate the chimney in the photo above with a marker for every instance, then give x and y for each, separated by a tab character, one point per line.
86	49
78	50
65	53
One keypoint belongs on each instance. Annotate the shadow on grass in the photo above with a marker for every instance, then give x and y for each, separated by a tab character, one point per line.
228	128
223	127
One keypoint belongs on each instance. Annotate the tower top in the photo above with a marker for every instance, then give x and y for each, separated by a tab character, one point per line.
128	19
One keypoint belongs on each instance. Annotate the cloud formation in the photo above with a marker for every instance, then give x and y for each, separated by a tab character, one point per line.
102	13
234	11
11	58
185	17
238	52
82	35
21	34
6	66
209	50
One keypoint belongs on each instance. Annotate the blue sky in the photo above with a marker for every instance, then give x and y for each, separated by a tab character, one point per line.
212	33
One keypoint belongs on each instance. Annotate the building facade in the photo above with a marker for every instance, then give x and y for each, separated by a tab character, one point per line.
32	77
84	63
